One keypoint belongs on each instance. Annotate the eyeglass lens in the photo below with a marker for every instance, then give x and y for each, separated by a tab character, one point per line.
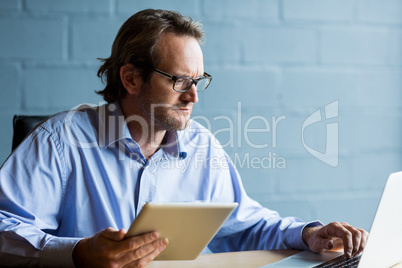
185	84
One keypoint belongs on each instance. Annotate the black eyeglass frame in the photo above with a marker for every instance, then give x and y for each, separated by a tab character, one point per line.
194	81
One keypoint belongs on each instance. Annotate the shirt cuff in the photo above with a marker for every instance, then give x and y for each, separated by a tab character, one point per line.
58	252
295	240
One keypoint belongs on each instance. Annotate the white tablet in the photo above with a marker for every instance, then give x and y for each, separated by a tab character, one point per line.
188	226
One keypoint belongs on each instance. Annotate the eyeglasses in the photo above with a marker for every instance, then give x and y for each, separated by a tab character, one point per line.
184	83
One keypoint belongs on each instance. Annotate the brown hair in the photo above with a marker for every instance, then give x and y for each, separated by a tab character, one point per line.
136	43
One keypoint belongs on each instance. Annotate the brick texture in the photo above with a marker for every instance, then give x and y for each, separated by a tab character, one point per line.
57	88
263	10
354	46
328	10
188	8
10	5
270	59
279	44
386	11
10	81
39	39
73	6
90	43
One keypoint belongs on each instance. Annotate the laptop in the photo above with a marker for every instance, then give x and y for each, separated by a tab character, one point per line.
384	245
189	226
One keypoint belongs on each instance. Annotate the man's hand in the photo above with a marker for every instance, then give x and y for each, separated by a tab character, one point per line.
336	236
108	248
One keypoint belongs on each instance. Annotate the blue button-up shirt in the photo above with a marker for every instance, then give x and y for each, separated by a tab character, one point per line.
81	172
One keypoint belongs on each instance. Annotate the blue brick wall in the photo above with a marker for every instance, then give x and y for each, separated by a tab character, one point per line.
274	62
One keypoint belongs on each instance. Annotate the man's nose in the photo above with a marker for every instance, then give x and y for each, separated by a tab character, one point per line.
191	95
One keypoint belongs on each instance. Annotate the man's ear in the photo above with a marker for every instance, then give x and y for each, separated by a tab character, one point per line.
131	78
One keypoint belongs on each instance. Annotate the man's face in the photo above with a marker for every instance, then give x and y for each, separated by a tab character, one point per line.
159	103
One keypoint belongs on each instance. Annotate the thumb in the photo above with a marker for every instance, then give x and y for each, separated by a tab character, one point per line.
321	244
328	244
113	234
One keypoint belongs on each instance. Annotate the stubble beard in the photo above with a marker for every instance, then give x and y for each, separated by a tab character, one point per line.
161	115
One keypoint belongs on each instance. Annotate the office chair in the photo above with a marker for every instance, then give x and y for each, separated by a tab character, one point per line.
23	125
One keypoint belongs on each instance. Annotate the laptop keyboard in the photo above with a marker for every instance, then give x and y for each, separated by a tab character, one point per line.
341	262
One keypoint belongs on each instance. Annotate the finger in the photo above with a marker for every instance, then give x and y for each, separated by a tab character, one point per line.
122	234
363	241
135	242
112	234
327	244
338	244
356	238
116	235
151	256
146	251
347	243
336	229
319	244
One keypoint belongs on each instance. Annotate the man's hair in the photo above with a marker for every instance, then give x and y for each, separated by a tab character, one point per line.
136	43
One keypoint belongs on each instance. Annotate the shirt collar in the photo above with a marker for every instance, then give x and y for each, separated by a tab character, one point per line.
113	128
173	145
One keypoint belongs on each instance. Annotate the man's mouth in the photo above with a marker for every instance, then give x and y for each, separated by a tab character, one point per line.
184	109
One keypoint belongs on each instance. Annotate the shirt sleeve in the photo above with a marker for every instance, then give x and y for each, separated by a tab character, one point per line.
251	226
32	182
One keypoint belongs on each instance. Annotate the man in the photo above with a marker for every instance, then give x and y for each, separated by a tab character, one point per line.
70	188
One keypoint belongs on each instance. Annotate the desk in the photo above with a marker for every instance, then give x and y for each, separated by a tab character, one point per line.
244	259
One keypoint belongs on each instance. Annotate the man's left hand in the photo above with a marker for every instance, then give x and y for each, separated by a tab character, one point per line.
336	236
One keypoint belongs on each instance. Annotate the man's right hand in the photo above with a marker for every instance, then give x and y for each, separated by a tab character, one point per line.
108	248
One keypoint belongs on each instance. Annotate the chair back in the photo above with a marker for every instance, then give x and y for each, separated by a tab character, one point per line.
23	125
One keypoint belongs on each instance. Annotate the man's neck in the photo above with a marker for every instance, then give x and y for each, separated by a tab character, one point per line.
150	143
149	137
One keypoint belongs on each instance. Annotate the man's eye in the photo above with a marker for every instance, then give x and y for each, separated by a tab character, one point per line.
180	81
